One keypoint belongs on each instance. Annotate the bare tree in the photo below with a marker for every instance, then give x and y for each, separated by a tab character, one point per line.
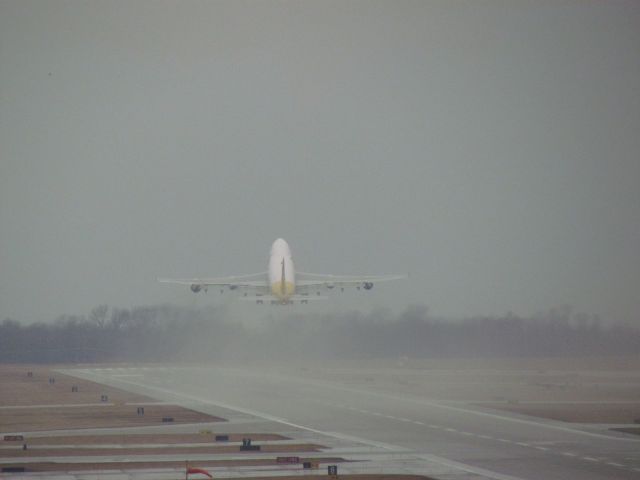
98	316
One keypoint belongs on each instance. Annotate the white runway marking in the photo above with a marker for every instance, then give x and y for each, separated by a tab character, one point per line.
266	416
471	469
401	419
540	424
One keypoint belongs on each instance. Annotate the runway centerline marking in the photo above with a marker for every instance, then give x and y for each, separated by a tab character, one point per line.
495	475
436	459
486	437
538	424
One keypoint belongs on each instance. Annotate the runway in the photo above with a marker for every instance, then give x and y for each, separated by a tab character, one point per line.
451	440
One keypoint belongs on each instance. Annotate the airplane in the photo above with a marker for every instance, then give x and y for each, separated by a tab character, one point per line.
279	284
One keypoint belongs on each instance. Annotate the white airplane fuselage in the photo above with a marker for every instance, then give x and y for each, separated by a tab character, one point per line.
280	286
282	278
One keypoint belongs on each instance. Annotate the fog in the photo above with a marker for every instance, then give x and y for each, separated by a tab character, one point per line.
489	149
169	333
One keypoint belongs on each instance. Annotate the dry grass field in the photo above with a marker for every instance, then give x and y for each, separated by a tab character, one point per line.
147	439
32	403
20	389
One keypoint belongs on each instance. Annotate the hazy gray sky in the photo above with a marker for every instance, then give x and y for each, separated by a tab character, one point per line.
491	149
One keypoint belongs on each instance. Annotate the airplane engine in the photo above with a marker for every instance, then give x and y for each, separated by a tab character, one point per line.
195	288
367	285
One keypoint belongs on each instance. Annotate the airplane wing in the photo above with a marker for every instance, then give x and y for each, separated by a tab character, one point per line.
309	281
256	281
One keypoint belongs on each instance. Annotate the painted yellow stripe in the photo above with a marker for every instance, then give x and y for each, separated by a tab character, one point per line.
278	291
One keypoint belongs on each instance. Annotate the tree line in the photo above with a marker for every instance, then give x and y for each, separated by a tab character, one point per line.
169	333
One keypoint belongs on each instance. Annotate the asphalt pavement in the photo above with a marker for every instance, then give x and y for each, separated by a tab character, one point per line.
434	437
